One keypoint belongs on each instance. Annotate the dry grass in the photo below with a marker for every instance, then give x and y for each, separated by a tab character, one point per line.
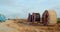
11	26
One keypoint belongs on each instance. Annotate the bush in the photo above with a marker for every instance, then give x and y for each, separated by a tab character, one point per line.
58	20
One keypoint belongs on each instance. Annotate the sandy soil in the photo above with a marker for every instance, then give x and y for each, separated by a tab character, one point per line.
10	26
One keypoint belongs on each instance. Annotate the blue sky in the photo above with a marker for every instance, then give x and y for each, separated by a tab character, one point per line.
21	8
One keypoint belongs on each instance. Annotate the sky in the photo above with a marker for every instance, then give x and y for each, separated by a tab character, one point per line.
21	8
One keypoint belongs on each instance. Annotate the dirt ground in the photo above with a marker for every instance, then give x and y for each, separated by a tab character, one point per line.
11	26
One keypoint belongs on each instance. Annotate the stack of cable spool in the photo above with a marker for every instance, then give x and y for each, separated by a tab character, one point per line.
49	17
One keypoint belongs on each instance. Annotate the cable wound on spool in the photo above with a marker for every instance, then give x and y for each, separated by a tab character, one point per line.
49	17
52	17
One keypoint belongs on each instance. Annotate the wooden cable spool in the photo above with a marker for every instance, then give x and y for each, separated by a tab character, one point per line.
34	18
49	17
29	18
